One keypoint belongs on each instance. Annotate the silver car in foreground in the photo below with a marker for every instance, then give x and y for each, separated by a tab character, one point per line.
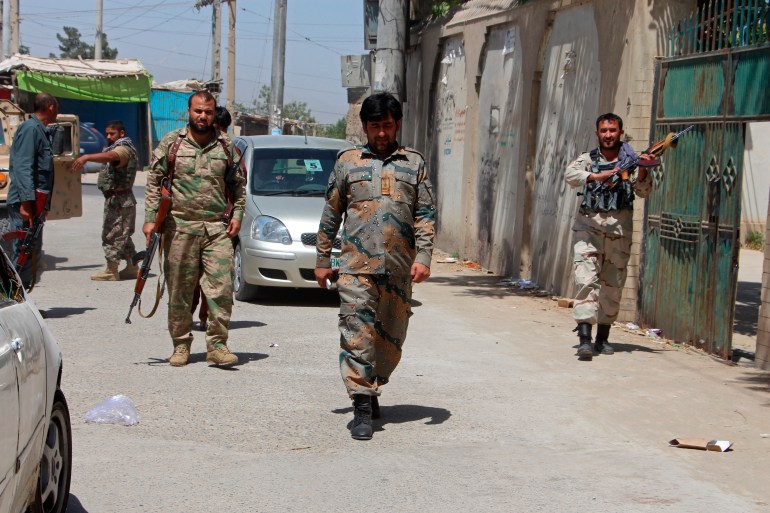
285	195
35	430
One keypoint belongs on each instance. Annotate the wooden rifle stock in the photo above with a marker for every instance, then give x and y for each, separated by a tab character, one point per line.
144	271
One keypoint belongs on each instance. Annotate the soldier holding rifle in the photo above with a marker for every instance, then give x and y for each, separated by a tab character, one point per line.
31	170
603	230
194	161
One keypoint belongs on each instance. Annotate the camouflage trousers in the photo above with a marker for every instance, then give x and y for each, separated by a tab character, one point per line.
186	259
374	316
118	227
600	274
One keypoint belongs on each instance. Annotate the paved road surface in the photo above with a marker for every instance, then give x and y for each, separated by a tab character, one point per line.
489	410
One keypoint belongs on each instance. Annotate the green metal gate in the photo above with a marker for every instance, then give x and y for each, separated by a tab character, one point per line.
716	77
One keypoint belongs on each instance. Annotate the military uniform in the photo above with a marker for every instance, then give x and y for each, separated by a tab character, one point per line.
195	241
116	182
602	243
31	169
389	225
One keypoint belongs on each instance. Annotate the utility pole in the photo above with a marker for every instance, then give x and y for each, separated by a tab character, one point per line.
98	44
216	43
3	27
389	63
231	57
275	103
14	41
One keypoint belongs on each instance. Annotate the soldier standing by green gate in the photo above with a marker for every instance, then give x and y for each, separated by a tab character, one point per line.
603	230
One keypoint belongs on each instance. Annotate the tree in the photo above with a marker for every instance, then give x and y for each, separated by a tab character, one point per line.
72	47
298	111
337	130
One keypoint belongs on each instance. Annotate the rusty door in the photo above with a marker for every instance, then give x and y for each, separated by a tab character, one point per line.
716	80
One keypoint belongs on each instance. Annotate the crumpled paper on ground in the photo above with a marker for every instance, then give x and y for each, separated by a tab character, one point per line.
117	409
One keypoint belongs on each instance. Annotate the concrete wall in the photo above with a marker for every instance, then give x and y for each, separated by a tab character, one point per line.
502	98
762	355
756	178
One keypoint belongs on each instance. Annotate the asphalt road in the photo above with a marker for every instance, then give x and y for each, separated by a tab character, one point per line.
489	410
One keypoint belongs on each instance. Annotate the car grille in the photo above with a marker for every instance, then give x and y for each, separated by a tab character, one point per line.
307	274
310	239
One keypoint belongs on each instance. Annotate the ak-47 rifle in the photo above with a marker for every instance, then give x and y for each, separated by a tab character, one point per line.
149	253
624	170
32	234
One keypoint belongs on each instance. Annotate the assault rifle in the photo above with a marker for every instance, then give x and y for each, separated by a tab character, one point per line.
32	234
624	170
149	253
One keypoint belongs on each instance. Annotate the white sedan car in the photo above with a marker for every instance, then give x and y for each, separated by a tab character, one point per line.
35	432
287	176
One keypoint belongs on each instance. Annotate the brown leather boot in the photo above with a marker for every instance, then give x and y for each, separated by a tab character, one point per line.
129	272
110	273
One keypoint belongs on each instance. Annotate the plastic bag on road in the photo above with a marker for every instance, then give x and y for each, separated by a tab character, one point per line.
117	409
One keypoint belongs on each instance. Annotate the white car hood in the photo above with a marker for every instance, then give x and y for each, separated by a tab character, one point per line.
299	214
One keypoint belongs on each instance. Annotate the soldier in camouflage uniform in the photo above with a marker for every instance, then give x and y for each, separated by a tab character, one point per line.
603	230
195	240
116	182
383	191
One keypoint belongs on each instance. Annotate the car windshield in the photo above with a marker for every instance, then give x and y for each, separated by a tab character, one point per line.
291	171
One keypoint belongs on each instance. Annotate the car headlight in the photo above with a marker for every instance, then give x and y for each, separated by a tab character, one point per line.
270	229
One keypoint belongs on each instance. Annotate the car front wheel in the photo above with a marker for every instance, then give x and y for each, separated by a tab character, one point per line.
243	291
56	464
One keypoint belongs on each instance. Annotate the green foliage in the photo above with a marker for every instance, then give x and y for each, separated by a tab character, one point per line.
755	240
72	47
442	7
337	130
298	111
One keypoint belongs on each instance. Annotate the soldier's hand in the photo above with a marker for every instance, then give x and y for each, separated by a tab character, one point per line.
233	228
420	272
79	162
147	230
321	275
26	209
600	177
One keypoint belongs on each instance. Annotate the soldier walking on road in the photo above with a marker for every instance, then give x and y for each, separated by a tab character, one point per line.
31	169
384	193
603	230
195	241
116	181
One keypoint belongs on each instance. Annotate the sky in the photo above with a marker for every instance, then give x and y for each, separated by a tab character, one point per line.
173	41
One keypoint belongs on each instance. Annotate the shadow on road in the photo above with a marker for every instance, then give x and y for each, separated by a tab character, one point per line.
620	347
756	380
400	413
298	297
64	311
236	325
747	301
484	286
200	357
74	506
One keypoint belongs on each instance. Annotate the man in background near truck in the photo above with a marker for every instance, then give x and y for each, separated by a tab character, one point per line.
116	182
31	169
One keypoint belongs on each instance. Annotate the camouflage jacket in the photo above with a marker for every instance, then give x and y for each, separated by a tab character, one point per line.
118	176
388	209
198	186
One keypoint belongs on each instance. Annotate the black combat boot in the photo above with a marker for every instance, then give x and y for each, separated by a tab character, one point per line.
585	351
602	334
361	428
